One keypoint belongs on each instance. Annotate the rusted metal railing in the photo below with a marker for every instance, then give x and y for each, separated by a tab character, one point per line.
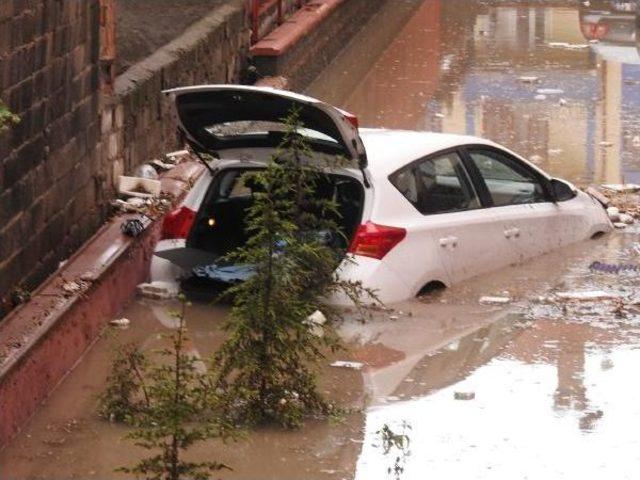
259	7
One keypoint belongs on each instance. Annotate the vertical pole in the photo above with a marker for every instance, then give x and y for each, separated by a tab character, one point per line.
107	44
255	14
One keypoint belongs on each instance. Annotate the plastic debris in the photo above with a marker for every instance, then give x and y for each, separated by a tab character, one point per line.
626	218
346	364
613	267
120	322
464	395
146	171
175	157
138	187
132	227
614	214
494	300
587	295
225	274
529	79
160	165
158	290
72	287
550	91
316	322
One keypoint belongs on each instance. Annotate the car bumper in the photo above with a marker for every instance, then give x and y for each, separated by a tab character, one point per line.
374	275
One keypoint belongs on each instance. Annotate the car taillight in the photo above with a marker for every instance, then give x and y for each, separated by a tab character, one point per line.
177	224
375	241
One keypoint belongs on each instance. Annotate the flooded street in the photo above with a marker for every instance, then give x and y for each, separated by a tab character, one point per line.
542	387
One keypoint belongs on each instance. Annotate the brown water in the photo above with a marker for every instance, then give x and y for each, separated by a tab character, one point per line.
555	384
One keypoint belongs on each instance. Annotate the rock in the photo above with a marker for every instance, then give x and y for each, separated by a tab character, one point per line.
529	79
620	225
464	395
120	322
494	300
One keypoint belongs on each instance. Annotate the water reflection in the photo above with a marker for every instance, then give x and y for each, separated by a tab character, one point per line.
455	67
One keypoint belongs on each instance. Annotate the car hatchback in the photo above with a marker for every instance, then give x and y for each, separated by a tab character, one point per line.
418	209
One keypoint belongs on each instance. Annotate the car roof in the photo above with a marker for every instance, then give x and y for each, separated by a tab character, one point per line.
390	150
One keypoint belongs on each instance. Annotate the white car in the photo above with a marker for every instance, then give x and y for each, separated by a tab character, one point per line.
422	210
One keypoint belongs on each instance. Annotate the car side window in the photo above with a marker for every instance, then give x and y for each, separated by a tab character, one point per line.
437	185
508	182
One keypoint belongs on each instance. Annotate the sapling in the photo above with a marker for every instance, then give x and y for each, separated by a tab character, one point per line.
178	410
267	366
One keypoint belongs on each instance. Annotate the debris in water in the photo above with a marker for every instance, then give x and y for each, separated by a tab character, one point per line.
146	171
622	187
158	290
494	300
587	295
550	91
613	268
540	97
529	79
464	395
346	364
72	287
120	322
626	218
315	322
138	187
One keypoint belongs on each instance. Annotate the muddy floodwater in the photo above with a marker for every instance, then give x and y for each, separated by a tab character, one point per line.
542	387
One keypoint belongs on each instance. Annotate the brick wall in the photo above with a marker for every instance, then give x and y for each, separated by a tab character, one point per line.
49	77
59	166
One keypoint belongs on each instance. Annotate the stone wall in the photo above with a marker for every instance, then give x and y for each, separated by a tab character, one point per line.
49	77
59	166
136	125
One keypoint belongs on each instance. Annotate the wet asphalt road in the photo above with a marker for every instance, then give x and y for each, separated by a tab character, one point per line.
553	383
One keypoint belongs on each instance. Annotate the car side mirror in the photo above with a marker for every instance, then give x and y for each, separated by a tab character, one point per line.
562	191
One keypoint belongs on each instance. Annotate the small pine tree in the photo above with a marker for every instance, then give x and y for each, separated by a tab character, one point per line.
177	414
126	393
266	367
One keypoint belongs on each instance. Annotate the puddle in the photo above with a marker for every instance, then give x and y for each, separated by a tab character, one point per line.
536	388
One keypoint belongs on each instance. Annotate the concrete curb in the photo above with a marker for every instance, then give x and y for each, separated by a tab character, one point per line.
42	341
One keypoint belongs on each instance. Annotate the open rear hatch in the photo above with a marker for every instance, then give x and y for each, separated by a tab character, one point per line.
221	117
218	117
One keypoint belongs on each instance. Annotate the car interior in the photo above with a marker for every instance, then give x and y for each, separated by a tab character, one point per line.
219	227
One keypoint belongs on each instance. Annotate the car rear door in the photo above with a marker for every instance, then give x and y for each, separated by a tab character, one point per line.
520	199
467	236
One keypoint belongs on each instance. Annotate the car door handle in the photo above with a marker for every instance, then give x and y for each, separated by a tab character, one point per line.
512	233
451	242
